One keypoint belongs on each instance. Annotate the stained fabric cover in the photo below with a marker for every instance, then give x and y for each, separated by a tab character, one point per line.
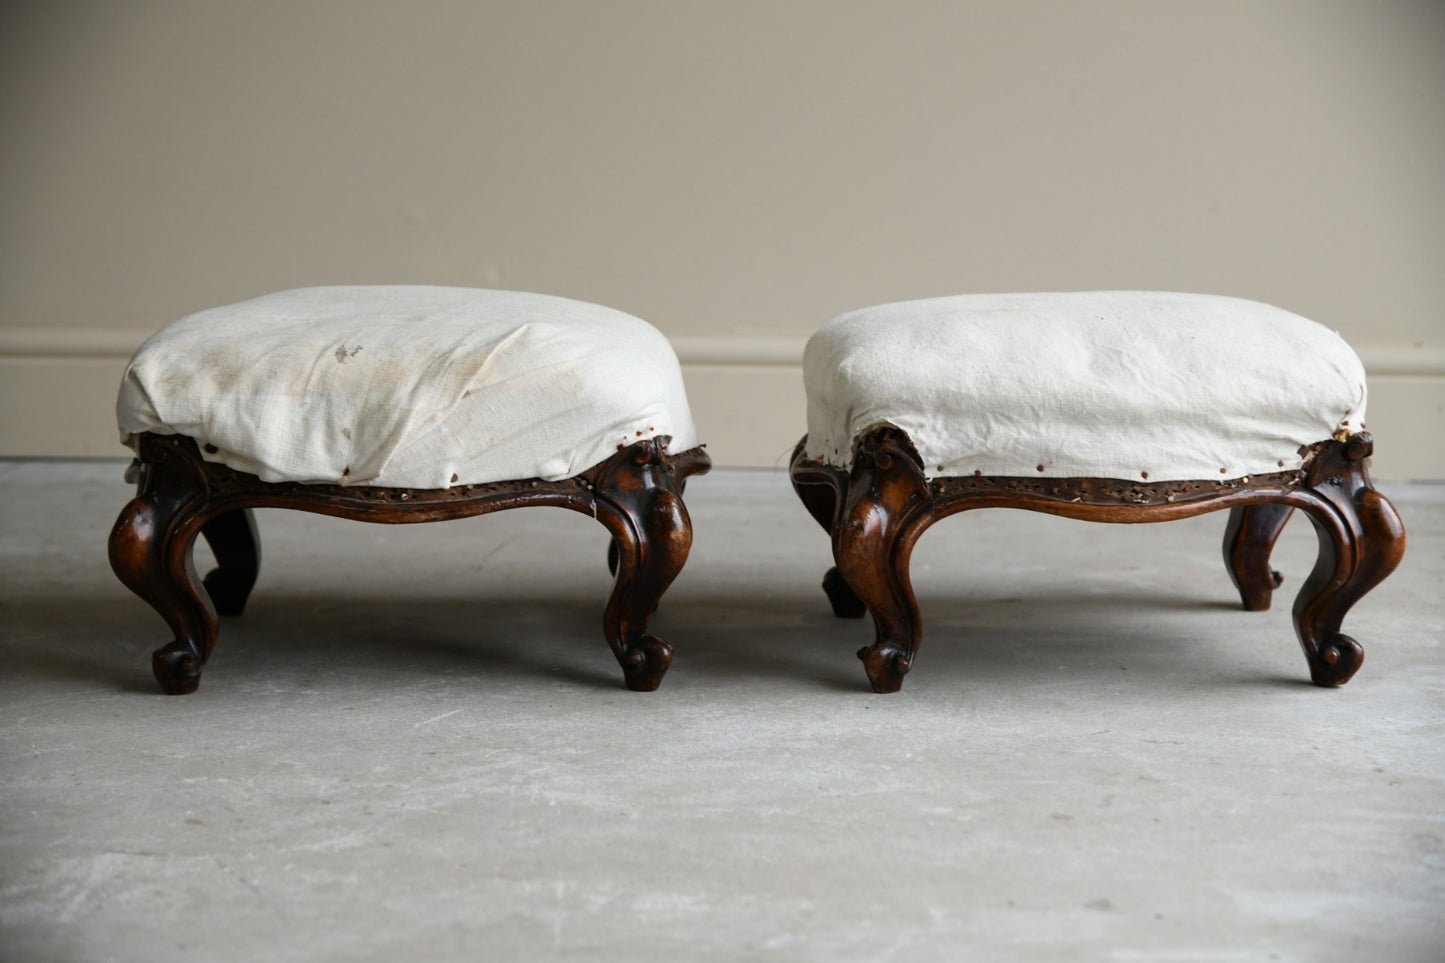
407	386
1106	384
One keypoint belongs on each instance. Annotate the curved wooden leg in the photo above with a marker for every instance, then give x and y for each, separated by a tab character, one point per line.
237	546
151	552
1248	540
888	506
694	463
844	601
1361	542
821	501
639	501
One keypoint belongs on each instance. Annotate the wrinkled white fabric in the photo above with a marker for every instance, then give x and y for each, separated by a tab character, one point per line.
1100	384
407	386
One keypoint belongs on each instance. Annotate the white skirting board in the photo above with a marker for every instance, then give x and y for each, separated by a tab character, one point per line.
57	398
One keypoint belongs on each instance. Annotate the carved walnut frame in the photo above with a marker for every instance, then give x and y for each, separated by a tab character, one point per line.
636	494
876	512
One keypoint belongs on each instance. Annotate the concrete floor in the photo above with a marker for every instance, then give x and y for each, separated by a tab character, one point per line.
415	745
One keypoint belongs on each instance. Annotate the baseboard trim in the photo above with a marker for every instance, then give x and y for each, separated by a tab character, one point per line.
62	342
57	397
748	350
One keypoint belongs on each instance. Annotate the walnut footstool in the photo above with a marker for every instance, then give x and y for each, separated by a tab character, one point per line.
400	404
1104	406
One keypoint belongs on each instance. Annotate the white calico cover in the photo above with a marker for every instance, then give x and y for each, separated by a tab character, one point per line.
1106	384
407	386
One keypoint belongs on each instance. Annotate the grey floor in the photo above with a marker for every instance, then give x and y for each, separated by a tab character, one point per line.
415	745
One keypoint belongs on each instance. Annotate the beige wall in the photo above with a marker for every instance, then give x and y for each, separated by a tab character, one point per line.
734	171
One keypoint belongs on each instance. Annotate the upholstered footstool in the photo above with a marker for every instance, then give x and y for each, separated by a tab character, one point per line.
1107	406
395	405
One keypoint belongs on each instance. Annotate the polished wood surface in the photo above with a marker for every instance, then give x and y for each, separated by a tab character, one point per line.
1249	538
636	494
876	512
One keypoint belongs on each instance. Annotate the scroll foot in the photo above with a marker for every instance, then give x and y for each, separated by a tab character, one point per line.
1335	661
645	662
886	664
177	667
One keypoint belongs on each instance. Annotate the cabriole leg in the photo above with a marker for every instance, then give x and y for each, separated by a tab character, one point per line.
1361	542
887	507
237	546
638	499
1248	540
150	551
821	501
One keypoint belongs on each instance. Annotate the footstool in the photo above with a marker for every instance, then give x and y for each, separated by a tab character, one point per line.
399	404
1104	406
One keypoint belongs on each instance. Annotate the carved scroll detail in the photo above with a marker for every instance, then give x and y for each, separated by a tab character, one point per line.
150	551
1361	542
639	499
